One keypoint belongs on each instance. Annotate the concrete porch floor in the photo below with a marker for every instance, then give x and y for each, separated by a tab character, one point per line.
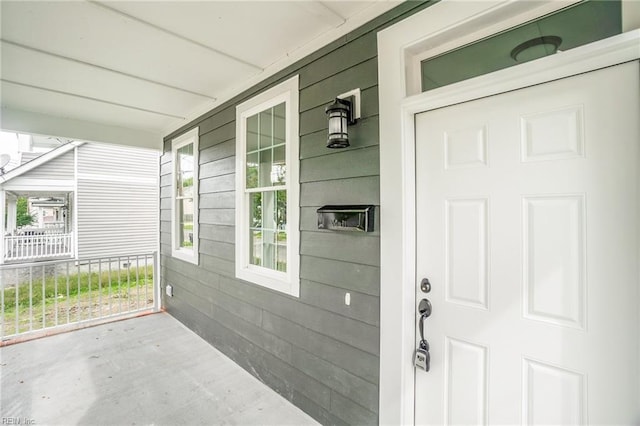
148	370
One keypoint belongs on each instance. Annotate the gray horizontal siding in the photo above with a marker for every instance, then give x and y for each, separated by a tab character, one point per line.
116	218
113	160
314	350
59	168
117	200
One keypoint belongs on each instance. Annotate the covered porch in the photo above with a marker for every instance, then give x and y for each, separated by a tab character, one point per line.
38	226
147	370
340	346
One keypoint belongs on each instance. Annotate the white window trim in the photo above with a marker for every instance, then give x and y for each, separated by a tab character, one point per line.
191	255
286	282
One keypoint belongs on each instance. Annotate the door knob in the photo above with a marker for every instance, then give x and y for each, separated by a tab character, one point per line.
424	308
422	357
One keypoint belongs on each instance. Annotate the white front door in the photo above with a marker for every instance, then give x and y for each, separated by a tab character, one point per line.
528	230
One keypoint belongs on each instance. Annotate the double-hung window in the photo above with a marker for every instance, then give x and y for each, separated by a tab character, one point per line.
267	189
184	208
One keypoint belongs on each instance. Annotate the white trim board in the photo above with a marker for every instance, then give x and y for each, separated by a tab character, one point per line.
3	209
74	201
397	45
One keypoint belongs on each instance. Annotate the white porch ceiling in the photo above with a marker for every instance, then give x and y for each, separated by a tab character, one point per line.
133	71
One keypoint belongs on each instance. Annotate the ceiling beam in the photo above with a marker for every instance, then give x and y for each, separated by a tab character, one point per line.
43	124
90	64
103	101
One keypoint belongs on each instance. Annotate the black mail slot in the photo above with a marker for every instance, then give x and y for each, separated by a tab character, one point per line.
346	218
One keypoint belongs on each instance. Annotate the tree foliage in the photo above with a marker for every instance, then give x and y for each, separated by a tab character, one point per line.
23	218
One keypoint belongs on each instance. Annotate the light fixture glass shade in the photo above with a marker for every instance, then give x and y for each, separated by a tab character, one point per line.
536	48
338	114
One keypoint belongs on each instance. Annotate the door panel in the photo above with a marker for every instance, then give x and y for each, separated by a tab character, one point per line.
527	222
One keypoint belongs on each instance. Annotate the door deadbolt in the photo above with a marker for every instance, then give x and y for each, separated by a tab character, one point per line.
425	285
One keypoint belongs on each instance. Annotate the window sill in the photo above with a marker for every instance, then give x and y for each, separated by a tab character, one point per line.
274	280
187	256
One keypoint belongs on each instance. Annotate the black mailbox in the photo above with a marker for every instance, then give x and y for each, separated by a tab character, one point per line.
346	218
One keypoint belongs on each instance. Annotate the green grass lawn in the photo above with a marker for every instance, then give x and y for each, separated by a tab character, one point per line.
75	297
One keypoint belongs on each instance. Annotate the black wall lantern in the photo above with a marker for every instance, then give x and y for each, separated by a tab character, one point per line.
344	111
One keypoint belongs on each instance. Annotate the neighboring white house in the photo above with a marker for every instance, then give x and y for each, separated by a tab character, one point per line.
89	199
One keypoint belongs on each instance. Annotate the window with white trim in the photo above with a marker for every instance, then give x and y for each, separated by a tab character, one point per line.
267	189
184	206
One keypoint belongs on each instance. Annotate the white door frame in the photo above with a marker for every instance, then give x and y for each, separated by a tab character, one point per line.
444	25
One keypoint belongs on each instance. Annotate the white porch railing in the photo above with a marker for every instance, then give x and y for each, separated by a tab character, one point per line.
48	228
45	297
38	246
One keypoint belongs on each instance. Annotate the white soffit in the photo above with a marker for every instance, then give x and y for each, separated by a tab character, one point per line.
152	66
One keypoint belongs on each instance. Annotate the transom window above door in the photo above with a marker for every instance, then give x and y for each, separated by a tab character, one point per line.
571	27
